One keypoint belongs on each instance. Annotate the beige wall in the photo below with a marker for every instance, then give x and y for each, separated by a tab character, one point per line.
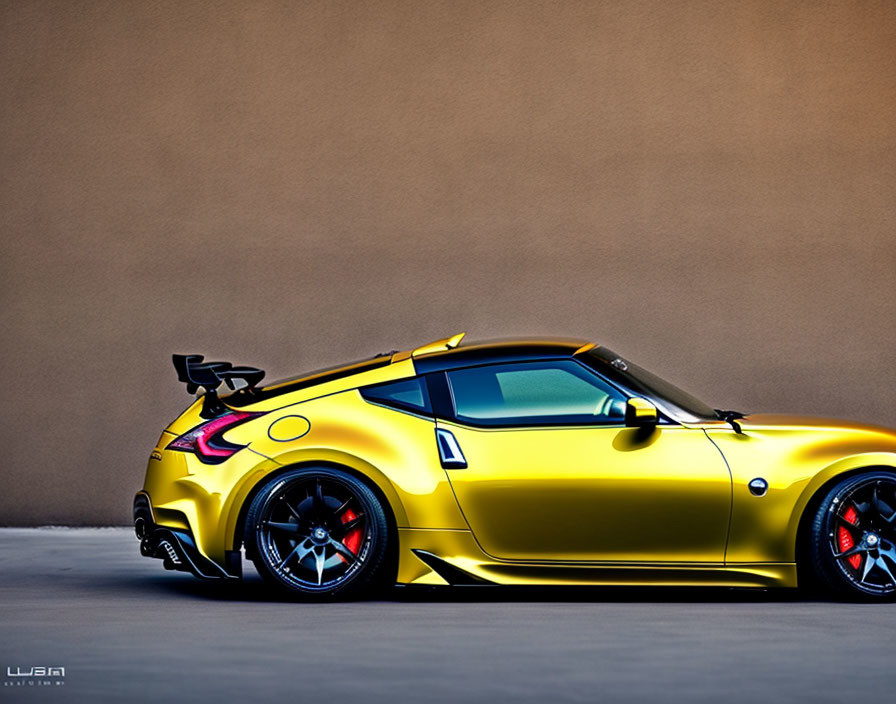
707	187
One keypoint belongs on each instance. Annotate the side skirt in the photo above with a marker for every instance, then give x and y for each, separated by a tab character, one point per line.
439	557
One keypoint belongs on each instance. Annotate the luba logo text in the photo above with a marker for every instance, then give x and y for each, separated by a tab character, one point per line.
34	676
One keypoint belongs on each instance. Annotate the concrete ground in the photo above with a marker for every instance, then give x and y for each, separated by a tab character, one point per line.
125	630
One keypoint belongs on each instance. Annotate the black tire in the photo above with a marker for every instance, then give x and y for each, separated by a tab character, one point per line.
318	533
852	540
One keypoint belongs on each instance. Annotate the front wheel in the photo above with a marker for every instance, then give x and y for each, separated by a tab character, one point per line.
318	533
853	537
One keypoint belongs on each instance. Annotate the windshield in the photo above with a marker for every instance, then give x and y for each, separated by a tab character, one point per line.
671	400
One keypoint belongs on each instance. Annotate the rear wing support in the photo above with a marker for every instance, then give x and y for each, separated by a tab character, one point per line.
198	374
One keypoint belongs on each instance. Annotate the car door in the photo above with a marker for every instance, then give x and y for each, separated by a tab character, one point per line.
544	468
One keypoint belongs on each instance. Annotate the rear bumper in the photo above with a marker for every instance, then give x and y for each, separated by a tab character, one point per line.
175	546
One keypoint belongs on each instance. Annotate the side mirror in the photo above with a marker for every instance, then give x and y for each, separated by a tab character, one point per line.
640	413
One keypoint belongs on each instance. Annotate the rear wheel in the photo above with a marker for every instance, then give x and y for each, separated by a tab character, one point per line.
853	537
318	533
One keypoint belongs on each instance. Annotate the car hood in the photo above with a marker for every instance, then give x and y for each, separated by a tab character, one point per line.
760	421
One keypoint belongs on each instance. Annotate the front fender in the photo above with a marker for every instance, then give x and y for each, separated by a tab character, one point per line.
796	462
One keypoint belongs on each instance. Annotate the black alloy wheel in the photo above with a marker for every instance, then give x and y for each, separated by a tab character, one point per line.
853	547
318	533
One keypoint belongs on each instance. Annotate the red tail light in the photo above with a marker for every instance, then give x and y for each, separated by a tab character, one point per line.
206	440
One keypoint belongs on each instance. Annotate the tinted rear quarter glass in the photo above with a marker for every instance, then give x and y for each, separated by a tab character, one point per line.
405	395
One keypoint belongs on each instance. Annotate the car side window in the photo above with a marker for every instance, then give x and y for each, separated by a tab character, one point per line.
559	392
404	395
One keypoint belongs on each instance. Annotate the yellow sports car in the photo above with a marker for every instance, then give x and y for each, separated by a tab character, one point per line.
551	462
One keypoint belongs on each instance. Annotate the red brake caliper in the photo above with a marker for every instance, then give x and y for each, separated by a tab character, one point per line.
845	538
352	539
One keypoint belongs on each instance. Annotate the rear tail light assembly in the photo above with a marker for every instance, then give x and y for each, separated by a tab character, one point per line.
206	441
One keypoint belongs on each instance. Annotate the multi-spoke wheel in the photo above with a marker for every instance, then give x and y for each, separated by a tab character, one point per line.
853	546
317	532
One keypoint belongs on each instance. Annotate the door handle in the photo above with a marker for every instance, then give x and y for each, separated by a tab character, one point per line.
450	454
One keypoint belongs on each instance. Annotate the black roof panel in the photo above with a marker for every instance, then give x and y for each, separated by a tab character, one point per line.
495	351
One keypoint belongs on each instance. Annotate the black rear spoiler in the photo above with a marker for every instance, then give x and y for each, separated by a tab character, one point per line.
196	374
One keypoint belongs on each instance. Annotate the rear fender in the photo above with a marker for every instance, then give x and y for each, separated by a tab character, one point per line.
253	481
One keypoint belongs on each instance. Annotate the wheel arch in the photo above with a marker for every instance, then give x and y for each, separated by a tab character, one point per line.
381	487
816	491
